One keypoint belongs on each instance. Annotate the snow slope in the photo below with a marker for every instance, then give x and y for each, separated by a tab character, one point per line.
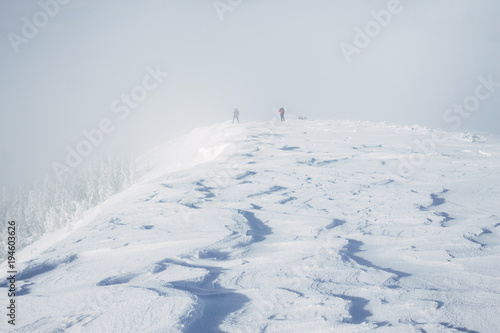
317	226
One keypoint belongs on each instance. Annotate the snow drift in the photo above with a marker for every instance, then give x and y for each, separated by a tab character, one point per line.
318	226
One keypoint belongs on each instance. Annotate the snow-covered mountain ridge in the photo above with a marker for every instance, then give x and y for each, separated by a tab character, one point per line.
320	226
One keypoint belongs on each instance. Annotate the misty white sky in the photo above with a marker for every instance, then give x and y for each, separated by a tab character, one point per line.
264	54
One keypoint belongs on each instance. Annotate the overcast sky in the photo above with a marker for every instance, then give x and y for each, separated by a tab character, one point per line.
66	67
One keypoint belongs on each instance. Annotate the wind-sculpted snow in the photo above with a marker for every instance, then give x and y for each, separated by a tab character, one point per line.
124	278
258	229
305	226
354	246
205	189
214	302
357	309
335	223
272	189
35	269
437	201
288	148
245	174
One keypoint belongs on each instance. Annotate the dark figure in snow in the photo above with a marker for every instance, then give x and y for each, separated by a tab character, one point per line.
282	114
236	115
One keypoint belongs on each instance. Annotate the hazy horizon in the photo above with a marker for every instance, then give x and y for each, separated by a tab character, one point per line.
67	66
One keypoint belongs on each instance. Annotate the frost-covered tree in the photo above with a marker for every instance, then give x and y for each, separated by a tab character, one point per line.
55	203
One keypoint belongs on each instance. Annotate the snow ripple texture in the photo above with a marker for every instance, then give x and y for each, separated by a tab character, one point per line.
307	226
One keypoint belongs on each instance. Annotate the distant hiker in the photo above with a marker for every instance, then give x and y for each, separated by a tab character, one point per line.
282	114
236	115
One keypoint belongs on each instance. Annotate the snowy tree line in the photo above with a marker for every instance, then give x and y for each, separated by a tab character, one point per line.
54	203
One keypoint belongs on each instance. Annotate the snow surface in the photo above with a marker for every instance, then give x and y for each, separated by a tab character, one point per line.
308	226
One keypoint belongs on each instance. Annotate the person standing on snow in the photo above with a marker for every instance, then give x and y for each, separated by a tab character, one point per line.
236	115
282	114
